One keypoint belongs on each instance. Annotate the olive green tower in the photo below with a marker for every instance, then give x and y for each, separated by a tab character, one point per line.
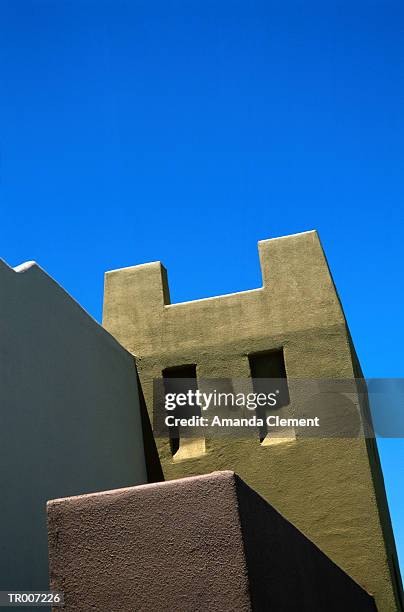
331	489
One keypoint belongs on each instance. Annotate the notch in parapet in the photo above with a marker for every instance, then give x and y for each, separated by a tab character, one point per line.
293	268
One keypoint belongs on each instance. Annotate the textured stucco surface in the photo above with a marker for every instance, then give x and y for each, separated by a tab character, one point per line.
331	489
206	543
69	416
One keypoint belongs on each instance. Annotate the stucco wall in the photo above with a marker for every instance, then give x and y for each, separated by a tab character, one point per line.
69	415
201	544
331	489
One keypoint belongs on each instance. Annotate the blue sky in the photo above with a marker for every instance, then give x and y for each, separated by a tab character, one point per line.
187	131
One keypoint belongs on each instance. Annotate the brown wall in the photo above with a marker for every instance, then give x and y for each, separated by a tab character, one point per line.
206	543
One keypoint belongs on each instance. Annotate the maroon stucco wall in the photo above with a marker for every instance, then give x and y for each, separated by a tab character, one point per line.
205	543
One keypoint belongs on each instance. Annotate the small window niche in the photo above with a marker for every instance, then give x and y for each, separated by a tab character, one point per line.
268	373
181	379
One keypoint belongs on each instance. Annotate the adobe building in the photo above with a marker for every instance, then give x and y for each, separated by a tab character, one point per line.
292	327
71	416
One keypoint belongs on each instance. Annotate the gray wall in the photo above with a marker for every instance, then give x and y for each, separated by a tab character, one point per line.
69	415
